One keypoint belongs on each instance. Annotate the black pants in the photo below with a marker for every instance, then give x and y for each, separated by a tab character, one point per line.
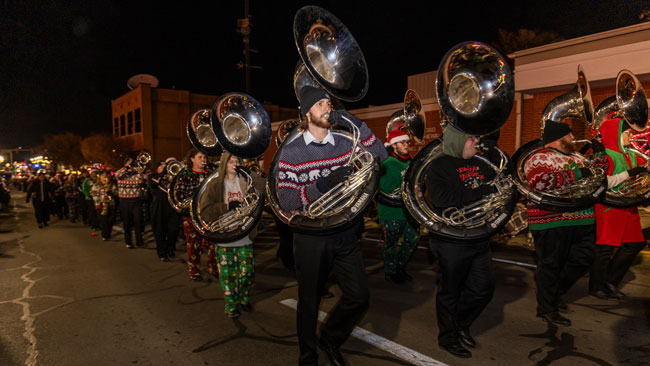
316	257
608	269
93	217
164	222
563	255
41	211
465	288
285	250
131	213
83	210
106	221
74	210
60	206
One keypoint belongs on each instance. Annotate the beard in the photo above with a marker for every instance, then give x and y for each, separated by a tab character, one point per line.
569	146
320	121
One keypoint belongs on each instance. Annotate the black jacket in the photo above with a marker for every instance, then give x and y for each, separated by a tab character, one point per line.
456	182
41	190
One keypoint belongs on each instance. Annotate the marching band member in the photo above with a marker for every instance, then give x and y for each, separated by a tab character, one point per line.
234	259
164	219
103	193
456	179
308	167
87	185
189	181
129	183
564	241
616	227
394	219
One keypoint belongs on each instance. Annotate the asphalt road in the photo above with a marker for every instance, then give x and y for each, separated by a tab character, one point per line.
70	299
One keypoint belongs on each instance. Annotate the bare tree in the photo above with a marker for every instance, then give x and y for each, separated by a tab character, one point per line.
103	149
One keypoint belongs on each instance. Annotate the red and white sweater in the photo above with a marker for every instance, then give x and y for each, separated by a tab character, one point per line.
548	169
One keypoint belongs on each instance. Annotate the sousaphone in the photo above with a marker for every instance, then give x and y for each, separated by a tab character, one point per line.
631	104
577	104
202	137
412	121
243	128
334	62
475	91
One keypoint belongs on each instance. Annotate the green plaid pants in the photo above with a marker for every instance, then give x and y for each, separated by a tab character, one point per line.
235	274
397	255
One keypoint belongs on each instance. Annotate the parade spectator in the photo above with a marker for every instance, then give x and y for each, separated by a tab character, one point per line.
41	193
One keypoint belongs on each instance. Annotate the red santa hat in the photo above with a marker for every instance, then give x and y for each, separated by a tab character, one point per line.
396	135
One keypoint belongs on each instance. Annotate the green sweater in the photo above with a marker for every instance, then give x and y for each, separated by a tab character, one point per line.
393	172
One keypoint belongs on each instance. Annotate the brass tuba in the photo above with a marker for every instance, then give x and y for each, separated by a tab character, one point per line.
243	128
576	103
410	119
475	91
630	103
142	161
334	62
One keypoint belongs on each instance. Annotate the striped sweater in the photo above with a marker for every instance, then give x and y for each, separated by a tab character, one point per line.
548	169
301	165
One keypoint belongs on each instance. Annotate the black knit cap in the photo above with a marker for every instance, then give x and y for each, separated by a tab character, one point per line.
309	95
554	131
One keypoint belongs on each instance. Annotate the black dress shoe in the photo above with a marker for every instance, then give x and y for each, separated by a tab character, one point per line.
457	350
604	295
555	318
405	275
562	306
614	291
395	278
466	338
247	307
333	353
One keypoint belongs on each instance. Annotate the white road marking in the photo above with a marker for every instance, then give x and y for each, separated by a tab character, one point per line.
513	262
380	342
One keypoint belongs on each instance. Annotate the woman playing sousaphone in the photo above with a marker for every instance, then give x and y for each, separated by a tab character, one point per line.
235	261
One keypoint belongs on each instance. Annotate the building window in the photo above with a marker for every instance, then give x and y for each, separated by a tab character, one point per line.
122	126
138	121
116	127
129	120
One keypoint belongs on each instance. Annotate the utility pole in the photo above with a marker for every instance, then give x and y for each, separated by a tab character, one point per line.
245	30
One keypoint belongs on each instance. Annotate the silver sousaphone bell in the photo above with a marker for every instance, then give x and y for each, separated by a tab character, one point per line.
243	128
475	91
334	62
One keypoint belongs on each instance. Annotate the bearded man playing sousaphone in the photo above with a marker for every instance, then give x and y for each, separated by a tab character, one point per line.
564	241
308	167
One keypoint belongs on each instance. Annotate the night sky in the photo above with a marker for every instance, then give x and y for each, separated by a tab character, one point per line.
61	63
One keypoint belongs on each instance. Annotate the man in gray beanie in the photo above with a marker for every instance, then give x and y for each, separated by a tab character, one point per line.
456	179
308	167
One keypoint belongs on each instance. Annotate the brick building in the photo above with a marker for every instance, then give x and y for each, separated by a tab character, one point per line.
155	119
541	74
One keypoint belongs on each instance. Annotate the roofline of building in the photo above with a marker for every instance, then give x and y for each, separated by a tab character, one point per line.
581	40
